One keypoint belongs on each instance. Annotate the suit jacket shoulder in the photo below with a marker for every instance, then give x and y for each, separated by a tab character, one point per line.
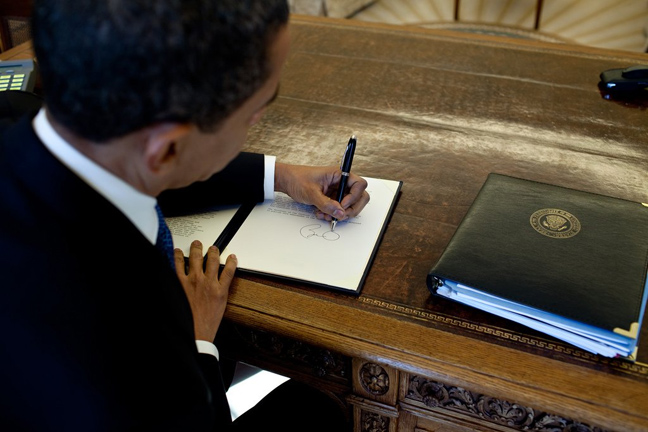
97	332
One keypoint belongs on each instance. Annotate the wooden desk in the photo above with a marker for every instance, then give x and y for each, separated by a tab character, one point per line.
440	111
24	51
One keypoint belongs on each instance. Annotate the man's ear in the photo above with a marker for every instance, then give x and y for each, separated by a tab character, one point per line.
162	145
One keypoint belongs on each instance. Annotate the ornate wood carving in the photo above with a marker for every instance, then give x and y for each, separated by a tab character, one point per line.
373	422
438	395
320	362
374	379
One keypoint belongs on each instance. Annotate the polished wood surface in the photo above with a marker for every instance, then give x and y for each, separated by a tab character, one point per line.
24	51
440	111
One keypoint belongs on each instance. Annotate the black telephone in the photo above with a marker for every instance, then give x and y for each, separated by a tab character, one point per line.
17	75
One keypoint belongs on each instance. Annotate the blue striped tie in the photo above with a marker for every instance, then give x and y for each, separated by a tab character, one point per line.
164	240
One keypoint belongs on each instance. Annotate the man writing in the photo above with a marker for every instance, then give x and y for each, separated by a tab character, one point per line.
99	330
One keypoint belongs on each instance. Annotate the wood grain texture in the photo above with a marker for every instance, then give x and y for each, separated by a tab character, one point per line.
24	51
441	111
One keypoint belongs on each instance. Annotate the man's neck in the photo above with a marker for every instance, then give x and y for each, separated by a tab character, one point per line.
121	156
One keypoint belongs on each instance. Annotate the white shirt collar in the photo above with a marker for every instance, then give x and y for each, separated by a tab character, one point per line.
138	207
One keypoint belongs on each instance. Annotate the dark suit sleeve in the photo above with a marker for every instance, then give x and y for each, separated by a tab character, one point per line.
240	182
210	368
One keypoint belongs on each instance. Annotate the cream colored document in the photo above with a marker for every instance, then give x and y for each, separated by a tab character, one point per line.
283	238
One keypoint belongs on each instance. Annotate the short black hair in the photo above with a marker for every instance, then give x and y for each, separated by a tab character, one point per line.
111	67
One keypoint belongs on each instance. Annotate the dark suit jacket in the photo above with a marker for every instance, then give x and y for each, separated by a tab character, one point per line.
95	330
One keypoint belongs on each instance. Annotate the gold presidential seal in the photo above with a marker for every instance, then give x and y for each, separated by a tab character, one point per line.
555	223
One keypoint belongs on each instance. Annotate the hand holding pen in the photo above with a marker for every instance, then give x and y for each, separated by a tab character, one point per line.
345	167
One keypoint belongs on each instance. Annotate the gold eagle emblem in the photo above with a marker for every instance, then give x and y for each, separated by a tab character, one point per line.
555	223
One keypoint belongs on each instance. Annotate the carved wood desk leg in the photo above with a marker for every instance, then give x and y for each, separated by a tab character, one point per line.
375	396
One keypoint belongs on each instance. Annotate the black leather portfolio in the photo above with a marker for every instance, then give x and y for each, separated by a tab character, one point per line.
568	263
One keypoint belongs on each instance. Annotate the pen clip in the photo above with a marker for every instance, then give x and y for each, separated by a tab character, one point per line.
346	153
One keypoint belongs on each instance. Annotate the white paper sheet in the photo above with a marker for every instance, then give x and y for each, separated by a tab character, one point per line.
284	238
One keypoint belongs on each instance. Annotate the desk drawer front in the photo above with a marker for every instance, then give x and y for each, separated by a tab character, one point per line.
433	399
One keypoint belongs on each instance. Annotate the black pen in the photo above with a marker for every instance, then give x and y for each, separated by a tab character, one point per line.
345	167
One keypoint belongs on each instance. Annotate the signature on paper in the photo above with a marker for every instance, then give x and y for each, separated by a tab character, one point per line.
317	230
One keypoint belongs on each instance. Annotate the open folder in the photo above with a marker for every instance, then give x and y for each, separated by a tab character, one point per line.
283	238
568	263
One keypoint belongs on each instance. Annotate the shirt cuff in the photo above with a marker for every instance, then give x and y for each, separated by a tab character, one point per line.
205	347
269	177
